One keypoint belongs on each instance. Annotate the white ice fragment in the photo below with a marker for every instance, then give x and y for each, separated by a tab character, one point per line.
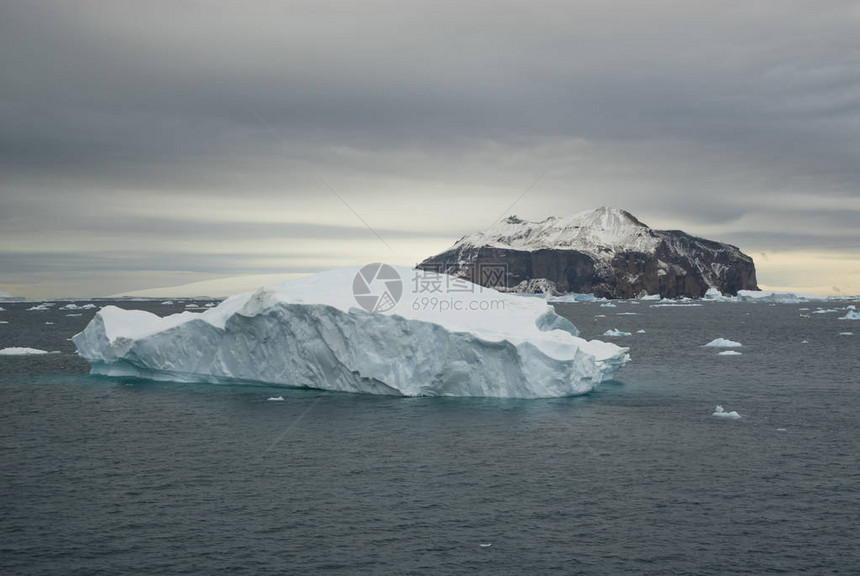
607	305
18	351
275	399
615	332
846	333
825	311
719	412
3	322
729	353
640	331
723	343
167	303
626	313
851	315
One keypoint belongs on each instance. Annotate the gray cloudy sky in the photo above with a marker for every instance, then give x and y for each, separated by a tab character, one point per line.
147	144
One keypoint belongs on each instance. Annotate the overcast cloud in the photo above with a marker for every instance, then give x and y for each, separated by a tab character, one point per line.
143	143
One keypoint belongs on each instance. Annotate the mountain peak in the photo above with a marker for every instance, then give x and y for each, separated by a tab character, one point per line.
601	230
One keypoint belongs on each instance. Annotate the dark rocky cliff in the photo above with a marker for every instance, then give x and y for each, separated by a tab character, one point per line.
672	263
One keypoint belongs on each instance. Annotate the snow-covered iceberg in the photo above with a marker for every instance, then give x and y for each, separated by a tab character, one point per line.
851	315
314	332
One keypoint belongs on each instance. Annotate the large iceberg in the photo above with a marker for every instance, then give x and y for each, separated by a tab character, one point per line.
428	339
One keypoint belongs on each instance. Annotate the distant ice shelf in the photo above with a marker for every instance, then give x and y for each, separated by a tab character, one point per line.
310	332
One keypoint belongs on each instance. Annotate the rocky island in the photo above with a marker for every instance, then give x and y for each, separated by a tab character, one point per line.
605	251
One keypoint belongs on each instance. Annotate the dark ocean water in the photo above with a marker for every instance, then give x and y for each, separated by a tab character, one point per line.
118	476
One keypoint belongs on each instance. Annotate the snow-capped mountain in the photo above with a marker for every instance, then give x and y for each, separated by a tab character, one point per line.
606	251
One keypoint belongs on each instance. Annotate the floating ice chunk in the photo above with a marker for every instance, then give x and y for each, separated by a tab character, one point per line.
43	307
851	315
626	313
485	545
650	297
729	353
719	412
312	332
49	323
607	305
640	331
275	399
167	303
846	333
73	315
615	332
825	311
192	305
780	429
71	306
3	322
678	304
714	295
18	351
804	341
2	309
768	296
600	315
723	343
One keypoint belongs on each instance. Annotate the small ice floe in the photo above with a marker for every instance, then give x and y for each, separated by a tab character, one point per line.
846	333
485	544
73	315
192	305
851	315
723	343
804	341
167	303
275	399
2	309
600	315
616	332
71	306
780	429
627	313
43	307
49	323
640	331
19	351
720	412
607	305
729	353
211	305
3	322
89	307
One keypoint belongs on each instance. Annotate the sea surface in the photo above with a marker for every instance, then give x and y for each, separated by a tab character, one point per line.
123	476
